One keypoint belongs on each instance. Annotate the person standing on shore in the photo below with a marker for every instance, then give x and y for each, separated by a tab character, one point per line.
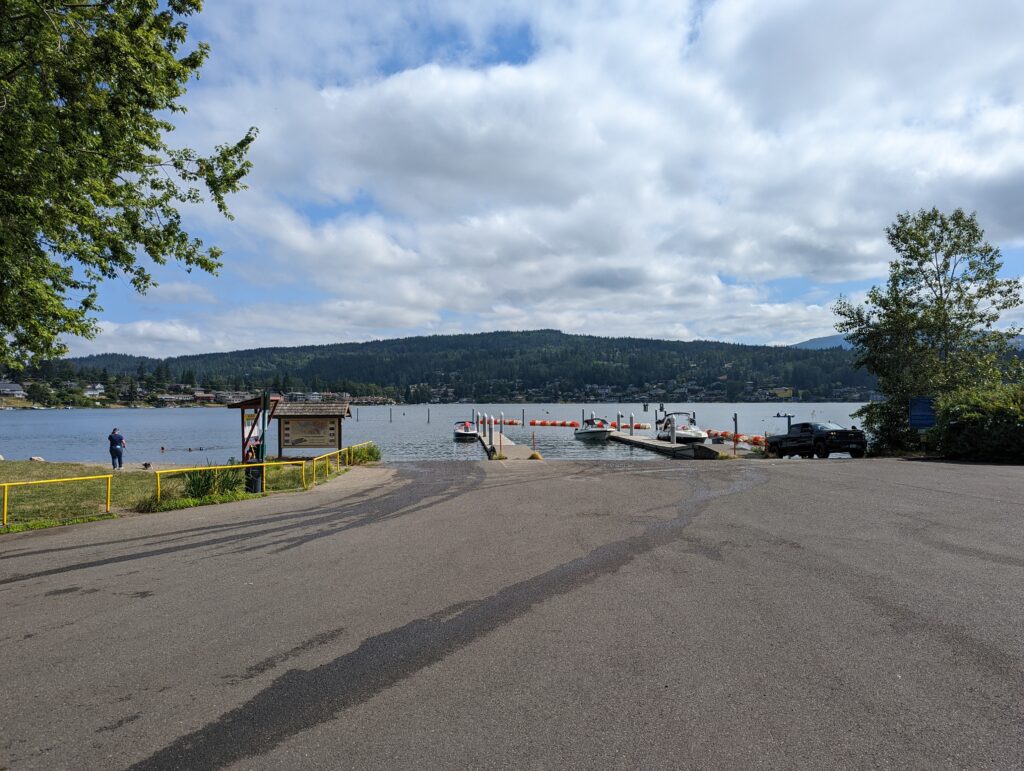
117	445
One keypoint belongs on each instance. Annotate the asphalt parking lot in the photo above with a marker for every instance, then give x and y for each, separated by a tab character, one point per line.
730	613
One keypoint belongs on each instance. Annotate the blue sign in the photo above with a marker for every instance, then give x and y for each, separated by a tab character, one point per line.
922	412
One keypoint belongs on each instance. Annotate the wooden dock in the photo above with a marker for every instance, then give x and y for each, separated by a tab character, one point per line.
505	446
682	451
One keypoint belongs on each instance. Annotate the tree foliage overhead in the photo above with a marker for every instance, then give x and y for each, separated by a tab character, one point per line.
87	182
932	328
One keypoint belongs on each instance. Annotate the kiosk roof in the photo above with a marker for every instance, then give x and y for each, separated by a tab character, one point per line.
313	410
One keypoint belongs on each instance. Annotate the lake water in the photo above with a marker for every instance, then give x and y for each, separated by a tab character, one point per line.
402	432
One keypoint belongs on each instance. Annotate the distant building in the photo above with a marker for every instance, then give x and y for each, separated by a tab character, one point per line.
371	400
94	390
229	397
12	390
175	398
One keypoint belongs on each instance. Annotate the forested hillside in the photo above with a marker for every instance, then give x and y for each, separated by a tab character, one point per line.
543	364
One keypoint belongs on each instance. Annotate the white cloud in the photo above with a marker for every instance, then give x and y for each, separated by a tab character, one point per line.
637	175
180	293
143	338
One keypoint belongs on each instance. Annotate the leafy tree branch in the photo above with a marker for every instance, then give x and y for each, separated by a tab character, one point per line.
88	183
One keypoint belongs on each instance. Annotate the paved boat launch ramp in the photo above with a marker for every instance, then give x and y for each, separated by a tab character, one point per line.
510	615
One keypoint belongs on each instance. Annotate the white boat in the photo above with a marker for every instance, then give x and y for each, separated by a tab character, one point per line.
464	431
593	430
685	428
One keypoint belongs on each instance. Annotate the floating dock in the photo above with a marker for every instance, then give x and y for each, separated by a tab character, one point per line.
690	451
504	446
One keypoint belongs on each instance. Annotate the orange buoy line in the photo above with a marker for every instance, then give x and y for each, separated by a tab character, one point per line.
756	440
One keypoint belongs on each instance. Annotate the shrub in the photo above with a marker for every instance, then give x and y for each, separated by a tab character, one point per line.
984	424
199	484
204	483
367	453
886	426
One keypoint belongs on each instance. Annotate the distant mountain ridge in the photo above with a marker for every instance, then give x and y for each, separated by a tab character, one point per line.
532	364
822	343
840	341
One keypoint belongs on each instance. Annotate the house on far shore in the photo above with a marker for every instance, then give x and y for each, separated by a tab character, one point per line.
12	390
94	390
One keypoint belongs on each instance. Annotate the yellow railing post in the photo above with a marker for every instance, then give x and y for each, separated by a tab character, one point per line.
303	476
158	487
8	485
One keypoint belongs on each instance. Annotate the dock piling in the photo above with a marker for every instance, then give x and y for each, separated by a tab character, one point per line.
632	422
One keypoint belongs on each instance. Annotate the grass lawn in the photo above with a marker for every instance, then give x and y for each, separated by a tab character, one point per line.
48	505
65	503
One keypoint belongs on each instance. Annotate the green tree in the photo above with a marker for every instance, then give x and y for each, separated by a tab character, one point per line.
87	181
932	328
39	392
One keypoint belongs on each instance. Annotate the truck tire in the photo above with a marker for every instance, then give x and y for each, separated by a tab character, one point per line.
776	450
856	453
819	450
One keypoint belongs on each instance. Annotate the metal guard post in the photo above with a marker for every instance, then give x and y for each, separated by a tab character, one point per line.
8	485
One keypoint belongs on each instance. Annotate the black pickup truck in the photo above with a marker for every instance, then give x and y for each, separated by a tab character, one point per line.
821	439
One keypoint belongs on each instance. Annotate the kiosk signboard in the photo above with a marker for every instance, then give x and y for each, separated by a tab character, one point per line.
309	432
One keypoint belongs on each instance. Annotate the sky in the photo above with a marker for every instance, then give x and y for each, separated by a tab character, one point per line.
713	169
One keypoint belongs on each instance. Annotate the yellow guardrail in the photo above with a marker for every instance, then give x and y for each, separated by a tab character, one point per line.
336	454
345	452
7	485
263	464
